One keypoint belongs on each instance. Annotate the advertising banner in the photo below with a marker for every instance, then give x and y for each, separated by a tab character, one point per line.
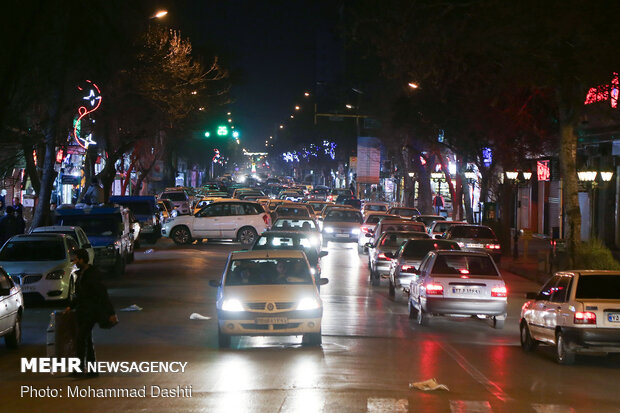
368	160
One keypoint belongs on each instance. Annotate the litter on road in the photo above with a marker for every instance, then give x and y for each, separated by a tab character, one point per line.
428	385
196	316
132	307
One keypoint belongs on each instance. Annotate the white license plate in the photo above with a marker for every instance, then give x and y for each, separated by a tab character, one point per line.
613	317
466	290
342	235
271	320
475	246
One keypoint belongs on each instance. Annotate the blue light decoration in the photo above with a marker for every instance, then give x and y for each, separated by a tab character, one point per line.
327	148
235	134
487	157
440	137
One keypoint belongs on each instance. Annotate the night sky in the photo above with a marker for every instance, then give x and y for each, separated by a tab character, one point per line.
270	48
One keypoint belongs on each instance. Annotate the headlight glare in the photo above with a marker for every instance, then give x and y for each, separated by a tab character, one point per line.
355	231
328	229
308	303
232	304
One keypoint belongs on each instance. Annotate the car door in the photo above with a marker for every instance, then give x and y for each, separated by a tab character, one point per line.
85	243
234	219
207	222
557	309
540	320
8	306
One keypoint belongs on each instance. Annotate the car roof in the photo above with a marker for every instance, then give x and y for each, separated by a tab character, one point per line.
53	228
258	254
287	234
588	272
461	252
38	237
243	201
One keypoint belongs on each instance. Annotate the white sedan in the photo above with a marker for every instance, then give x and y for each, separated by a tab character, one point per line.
266	293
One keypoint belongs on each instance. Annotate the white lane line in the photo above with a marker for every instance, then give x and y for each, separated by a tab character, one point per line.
552	408
381	405
477	375
469	406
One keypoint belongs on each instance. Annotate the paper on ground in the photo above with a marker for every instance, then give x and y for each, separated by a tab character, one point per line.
196	316
132	307
428	385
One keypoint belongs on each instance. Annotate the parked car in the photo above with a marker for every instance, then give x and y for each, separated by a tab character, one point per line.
41	265
458	283
77	233
145	210
222	219
575	311
404	212
265	293
476	238
109	232
179	199
342	225
11	310
437	229
405	262
389	242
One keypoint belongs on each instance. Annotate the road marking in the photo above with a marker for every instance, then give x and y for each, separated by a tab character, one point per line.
552	408
469	406
490	385
380	405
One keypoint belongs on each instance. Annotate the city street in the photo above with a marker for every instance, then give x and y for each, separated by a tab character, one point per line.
371	351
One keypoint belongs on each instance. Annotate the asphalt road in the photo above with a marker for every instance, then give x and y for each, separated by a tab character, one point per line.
371	352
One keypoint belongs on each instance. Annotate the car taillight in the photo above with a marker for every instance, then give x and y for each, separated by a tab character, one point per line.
364	229
267	220
406	267
434	289
584	317
492	246
499	292
382	256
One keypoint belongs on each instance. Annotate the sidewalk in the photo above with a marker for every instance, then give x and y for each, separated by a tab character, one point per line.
535	264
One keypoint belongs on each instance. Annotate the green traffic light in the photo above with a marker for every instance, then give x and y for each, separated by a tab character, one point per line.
222	130
207	134
235	134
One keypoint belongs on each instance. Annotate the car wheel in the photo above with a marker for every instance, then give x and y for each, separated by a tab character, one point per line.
312	339
247	236
181	235
497	323
527	342
223	340
413	312
562	354
14	338
391	289
422	318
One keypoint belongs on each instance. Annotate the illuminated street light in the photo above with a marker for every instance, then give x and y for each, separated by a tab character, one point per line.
413	85
606	176
281	126
292	117
229	120
297	107
527	175
306	94
229	113
161	14
512	175
586	176
194	92
235	134
349	106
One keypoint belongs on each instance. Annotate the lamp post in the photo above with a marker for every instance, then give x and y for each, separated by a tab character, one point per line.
589	179
516	177
470	176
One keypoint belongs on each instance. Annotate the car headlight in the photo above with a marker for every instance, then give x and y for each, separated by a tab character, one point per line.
308	303
328	229
355	231
232	304
55	275
174	213
314	241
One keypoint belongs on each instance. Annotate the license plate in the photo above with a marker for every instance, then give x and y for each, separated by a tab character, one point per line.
342	235
271	320
466	290
613	317
475	246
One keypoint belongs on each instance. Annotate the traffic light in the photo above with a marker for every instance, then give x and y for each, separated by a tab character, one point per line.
235	134
222	130
207	134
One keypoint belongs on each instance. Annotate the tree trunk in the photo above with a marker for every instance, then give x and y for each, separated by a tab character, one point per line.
31	168
425	196
568	168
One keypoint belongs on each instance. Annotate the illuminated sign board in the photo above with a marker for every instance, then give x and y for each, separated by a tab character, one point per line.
543	170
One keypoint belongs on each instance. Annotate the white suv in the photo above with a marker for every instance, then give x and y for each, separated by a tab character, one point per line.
576	311
223	219
41	265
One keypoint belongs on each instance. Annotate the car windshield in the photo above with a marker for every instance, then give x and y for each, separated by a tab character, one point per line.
94	224
429	220
396	240
175	196
442	226
464	231
52	250
282	271
404	212
373	219
418	249
293	211
344	216
598	286
405	226
375	207
296	224
470	265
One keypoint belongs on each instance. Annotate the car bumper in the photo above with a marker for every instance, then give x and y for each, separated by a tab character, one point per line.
404	280
442	305
382	267
245	323
607	339
49	290
496	254
340	237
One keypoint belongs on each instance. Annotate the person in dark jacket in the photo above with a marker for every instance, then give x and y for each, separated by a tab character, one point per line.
92	305
8	225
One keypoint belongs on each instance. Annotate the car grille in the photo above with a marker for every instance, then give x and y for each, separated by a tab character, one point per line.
256	306
278	306
249	326
284	306
31	279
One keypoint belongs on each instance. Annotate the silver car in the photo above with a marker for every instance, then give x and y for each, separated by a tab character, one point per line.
11	310
406	261
478	238
458	283
378	261
341	225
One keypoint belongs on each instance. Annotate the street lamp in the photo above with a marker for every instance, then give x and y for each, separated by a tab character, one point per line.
413	85
513	177
160	14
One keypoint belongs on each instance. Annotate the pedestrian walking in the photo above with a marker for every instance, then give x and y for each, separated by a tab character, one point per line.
438	203
92	305
18	207
9	225
94	193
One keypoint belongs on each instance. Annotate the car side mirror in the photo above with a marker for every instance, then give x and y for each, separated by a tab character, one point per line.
215	283
531	296
7	291
323	254
87	246
323	281
389	255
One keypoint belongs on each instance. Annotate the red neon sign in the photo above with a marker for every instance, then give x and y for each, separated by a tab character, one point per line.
543	171
94	101
605	93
